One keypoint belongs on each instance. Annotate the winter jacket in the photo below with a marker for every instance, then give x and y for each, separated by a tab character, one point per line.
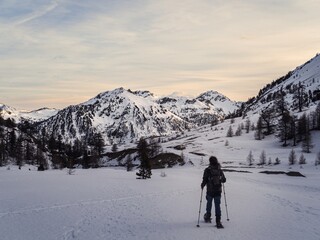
213	176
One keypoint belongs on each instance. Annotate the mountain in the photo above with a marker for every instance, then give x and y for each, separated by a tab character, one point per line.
303	81
119	115
33	116
219	102
208	108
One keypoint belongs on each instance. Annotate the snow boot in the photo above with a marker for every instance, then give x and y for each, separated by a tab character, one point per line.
218	222
207	217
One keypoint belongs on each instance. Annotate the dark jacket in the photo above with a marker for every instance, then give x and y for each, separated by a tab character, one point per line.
213	176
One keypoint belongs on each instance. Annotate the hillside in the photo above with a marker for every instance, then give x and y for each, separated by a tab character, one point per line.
305	79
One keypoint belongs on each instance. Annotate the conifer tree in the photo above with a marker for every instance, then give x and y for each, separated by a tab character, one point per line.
230	132
292	157
258	132
302	159
263	158
145	164
250	158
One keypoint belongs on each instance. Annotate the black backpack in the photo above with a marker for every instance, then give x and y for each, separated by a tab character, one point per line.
214	177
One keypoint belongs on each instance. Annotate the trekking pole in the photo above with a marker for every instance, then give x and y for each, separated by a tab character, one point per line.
225	201
200	207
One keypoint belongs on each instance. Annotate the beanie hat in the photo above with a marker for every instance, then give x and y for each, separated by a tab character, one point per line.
213	160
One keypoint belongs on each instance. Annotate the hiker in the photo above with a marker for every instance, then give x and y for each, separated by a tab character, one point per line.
213	177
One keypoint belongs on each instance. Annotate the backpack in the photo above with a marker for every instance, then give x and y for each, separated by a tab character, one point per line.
214	177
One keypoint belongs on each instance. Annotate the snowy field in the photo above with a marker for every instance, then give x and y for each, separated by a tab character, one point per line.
111	204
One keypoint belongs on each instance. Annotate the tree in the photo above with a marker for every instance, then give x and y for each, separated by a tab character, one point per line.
230	132
258	133
267	120
293	130
302	159
145	164
263	158
239	131
247	125
292	157
129	164
303	127
280	104
85	160
284	125
250	158
277	161
307	143
98	143
300	97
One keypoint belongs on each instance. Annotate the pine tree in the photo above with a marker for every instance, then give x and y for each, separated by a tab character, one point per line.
284	128
263	158
250	158
247	125
258	133
292	157
239	131
307	143
145	164
302	159
230	132
129	163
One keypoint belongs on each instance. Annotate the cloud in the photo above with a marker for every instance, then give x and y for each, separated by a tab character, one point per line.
235	47
36	13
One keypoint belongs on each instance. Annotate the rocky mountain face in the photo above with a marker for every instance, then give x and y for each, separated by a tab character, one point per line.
208	108
123	116
119	115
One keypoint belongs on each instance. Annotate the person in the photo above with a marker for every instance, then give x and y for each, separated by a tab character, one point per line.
213	176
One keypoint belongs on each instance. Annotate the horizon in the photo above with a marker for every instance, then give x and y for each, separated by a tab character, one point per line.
57	53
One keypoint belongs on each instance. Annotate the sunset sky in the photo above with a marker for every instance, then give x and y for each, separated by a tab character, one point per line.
62	52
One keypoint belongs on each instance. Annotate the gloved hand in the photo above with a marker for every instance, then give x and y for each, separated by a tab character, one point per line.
223	179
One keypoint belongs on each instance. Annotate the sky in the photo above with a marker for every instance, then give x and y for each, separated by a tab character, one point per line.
56	53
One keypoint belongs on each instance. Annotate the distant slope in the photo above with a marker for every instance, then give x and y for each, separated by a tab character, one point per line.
33	116
306	75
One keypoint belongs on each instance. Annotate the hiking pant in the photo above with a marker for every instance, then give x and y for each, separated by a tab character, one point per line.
217	201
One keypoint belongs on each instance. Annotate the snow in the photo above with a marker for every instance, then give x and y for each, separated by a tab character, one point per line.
34	116
111	204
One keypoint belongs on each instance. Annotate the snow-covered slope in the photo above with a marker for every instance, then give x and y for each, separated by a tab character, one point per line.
207	108
20	115
191	110
306	76
219	102
120	115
